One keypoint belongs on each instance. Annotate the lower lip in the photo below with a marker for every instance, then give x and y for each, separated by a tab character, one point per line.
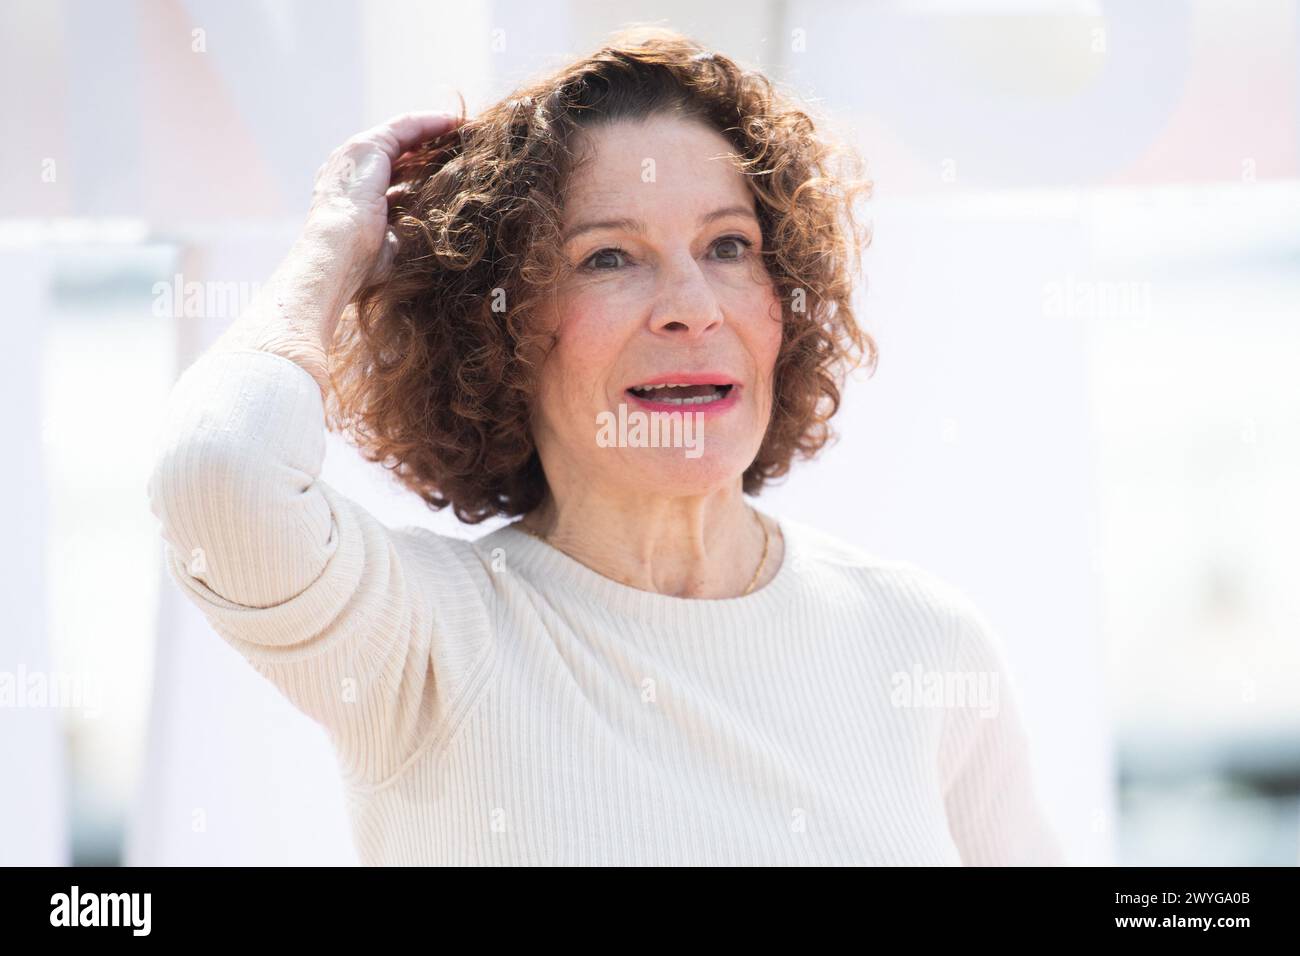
715	407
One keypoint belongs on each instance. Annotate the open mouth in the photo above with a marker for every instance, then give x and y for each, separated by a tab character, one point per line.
682	395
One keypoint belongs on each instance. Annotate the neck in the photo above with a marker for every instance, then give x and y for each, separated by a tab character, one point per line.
706	546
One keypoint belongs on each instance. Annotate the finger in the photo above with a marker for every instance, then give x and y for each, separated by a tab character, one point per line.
383	263
409	130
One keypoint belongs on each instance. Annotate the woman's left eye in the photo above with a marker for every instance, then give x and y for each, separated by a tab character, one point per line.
732	247
603	260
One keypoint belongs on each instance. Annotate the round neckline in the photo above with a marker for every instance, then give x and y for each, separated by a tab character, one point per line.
546	561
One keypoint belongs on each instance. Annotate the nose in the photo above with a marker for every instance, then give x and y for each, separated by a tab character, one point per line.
685	304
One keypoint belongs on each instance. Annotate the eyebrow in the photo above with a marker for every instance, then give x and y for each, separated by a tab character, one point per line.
635	225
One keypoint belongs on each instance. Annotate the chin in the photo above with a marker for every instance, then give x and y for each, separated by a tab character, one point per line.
668	470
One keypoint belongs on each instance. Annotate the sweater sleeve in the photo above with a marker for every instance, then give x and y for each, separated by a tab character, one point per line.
379	635
989	794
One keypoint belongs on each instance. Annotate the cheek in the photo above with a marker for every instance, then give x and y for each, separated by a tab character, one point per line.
765	332
586	349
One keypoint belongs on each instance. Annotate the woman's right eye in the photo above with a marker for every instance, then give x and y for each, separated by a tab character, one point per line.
602	260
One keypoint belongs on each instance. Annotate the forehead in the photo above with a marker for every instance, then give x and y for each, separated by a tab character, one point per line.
663	162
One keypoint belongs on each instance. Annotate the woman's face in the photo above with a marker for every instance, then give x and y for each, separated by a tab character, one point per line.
669	289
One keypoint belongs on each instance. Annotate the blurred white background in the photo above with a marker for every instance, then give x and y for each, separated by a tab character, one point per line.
1084	283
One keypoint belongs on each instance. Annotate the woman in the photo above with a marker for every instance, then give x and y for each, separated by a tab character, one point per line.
642	669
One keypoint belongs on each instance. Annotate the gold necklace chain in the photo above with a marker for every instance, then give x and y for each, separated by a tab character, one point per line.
762	563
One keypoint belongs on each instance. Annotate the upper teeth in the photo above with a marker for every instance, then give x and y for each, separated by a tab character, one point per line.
677	400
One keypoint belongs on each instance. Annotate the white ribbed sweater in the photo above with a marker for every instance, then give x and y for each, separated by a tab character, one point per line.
497	702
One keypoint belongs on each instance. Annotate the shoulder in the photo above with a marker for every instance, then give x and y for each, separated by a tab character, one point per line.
443	560
813	545
430	543
914	596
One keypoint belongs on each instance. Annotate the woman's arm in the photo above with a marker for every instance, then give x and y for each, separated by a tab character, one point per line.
379	635
989	793
345	242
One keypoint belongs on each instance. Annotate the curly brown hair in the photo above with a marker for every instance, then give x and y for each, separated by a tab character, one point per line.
431	373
